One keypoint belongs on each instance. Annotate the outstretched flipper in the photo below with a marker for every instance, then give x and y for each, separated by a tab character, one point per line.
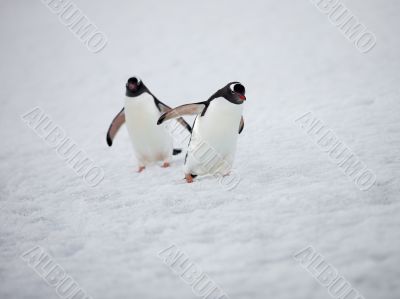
117	122
163	108
188	109
241	126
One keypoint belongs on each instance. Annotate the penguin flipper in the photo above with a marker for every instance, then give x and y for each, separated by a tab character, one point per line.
117	122
241	126
188	109
163	108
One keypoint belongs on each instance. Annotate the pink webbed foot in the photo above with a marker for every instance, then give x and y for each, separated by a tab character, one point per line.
189	178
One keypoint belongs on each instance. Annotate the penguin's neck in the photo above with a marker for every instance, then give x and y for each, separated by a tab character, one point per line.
141	107
221	120
223	111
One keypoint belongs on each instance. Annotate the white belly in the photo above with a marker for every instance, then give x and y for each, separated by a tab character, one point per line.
150	142
213	144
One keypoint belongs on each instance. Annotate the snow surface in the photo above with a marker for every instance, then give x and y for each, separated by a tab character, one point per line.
291	59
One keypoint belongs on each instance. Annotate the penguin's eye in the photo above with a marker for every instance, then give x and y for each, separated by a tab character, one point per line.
239	88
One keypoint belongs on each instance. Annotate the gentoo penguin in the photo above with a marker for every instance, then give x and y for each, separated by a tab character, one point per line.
215	130
150	142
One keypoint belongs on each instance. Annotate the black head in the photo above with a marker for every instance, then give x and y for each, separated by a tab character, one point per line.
234	92
134	87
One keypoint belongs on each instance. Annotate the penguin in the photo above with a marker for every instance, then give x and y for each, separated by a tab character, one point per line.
150	142
216	127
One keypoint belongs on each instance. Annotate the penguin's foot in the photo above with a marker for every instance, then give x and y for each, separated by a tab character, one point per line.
141	168
165	164
188	178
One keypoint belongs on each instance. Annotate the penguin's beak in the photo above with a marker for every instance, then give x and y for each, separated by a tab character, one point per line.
242	97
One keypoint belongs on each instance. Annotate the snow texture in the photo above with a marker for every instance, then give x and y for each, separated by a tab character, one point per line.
291	59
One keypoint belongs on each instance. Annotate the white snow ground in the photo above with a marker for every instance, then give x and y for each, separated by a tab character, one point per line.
291	59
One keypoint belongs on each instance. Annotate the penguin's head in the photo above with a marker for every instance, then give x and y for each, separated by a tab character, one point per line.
134	87
235	93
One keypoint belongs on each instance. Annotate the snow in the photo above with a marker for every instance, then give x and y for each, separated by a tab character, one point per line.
291	59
